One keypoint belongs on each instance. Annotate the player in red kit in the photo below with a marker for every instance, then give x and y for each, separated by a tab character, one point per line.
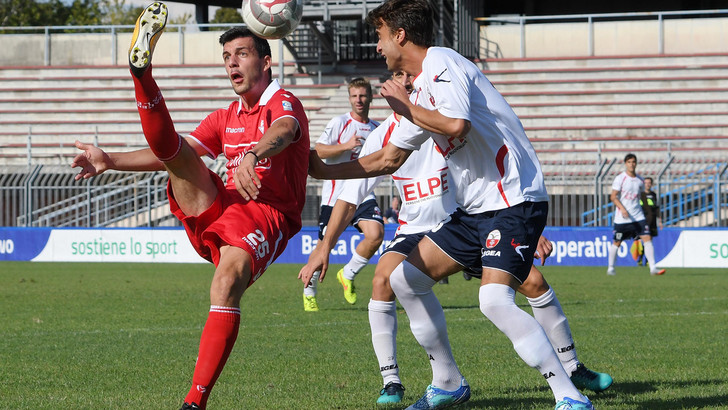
241	225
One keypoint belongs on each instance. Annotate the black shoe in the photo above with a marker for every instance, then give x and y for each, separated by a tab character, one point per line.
188	406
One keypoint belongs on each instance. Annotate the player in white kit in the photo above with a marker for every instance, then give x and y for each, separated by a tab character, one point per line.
500	191
341	141
424	184
629	219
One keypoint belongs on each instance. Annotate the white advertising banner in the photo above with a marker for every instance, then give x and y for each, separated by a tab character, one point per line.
119	245
698	249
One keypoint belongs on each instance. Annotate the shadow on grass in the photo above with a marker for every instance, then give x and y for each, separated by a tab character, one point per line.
619	394
618	391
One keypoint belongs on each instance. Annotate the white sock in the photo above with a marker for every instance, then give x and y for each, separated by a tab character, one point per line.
549	314
497	302
356	264
650	255
312	288
383	322
612	255
427	321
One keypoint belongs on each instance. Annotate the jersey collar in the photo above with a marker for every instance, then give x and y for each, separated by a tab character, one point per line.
272	88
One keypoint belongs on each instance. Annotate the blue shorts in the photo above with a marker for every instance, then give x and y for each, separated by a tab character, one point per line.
366	211
630	230
504	240
404	244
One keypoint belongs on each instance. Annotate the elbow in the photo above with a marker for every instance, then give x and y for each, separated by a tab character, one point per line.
460	128
391	164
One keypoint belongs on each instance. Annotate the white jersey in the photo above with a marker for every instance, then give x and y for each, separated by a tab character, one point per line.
338	131
629	189
494	166
423	181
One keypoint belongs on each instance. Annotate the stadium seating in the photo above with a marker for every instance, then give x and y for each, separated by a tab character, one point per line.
573	105
617	99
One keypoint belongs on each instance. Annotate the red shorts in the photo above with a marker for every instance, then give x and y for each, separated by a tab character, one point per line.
259	229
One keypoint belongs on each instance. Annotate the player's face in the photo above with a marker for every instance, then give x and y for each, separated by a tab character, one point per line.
388	47
404	79
648	184
630	165
359	99
245	69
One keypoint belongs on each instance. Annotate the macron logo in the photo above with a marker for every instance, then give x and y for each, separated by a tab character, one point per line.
438	78
230	130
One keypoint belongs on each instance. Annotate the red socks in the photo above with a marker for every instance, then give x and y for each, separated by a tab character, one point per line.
156	121
218	339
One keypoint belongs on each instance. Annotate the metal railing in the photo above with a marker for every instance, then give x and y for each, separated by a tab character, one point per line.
693	193
659	17
697	198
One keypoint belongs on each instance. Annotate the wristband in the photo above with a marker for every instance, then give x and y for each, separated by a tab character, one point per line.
254	154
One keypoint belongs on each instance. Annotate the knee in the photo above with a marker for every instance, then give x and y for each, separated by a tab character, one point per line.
381	281
494	297
406	279
533	288
375	236
227	287
396	279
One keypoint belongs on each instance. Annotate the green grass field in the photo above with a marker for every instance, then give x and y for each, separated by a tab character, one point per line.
102	336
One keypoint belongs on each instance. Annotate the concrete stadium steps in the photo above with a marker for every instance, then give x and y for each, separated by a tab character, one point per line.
57	105
603	98
574	104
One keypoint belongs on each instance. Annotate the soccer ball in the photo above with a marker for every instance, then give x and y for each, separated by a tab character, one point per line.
272	19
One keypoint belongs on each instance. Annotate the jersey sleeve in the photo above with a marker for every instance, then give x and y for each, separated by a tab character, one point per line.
283	105
617	183
409	136
355	191
330	135
208	134
449	84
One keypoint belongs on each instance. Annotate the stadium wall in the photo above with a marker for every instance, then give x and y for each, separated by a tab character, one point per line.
609	38
674	247
181	45
61	49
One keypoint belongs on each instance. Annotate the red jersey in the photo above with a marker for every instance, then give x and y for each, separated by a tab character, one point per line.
234	131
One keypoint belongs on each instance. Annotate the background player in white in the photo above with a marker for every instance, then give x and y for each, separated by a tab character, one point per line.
341	141
424	183
629	219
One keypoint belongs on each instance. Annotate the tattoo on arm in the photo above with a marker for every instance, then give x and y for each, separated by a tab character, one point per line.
277	143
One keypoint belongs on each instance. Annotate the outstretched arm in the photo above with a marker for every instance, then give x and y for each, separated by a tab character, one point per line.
341	215
94	161
382	162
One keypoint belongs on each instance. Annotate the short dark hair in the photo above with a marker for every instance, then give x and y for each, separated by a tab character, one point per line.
630	156
361	82
416	17
651	180
261	45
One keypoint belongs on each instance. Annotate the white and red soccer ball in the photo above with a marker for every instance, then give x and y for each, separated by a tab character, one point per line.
272	19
